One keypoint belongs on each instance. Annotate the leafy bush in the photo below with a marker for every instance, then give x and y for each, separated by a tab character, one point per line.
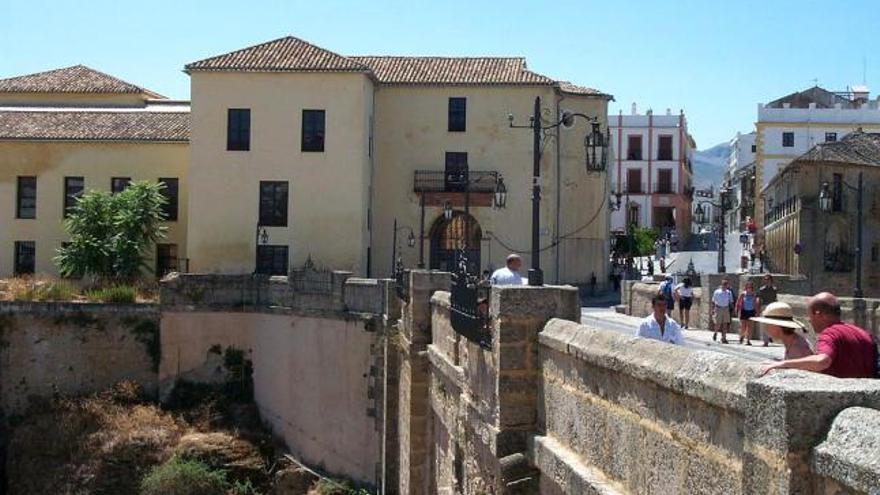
113	294
110	233
184	477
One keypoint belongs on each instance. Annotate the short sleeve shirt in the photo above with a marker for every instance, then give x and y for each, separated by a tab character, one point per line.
684	291
650	329
722	298
767	294
506	276
851	349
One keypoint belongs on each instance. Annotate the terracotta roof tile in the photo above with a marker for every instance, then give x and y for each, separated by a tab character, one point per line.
288	54
567	87
95	126
452	70
859	148
75	79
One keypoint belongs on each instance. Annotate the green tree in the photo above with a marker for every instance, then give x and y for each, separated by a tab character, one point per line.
110	234
643	239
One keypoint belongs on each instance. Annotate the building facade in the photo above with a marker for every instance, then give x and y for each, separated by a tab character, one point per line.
69	130
652	172
739	179
790	126
327	153
803	239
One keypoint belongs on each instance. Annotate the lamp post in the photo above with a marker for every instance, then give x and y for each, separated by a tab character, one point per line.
825	204
700	213
410	241
596	147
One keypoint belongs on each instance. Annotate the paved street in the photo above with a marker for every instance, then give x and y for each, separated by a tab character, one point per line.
608	319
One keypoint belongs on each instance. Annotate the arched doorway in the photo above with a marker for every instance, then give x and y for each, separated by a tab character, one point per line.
447	238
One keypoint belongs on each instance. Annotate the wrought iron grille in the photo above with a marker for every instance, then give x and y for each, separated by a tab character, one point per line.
470	305
439	181
311	280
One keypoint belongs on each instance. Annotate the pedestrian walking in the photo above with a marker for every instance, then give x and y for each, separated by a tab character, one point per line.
684	293
778	321
746	307
666	290
650	268
767	295
722	306
658	325
842	349
662	265
509	275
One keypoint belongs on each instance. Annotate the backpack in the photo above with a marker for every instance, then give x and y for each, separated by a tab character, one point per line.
666	289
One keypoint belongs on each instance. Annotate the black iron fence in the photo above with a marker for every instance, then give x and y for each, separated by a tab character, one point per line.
787	207
311	280
454	181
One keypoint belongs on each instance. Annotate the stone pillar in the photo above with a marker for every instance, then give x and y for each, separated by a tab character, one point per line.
519	314
413	337
789	413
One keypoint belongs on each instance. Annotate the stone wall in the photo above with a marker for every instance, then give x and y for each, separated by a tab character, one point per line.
50	349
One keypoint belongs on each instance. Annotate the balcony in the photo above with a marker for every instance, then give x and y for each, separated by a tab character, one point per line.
634	188
664	187
787	207
438	186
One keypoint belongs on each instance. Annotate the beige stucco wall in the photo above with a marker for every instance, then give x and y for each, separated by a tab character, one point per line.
311	379
411	134
328	191
97	162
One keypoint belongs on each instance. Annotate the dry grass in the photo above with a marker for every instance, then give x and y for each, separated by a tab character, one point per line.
46	288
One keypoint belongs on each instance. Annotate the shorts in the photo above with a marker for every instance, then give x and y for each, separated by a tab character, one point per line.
746	314
686	302
722	315
670	304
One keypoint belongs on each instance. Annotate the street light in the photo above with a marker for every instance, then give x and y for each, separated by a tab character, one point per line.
410	241
447	211
700	214
825	204
596	149
261	237
500	197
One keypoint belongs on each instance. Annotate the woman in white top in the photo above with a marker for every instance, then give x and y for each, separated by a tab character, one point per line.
684	293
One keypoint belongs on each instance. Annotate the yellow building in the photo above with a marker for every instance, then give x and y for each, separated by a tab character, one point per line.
75	129
298	153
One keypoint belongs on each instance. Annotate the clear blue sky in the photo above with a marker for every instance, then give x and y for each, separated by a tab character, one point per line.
714	59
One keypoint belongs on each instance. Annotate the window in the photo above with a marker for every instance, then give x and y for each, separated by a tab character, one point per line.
664	150
875	252
238	129
73	189
788	140
456	171
26	198
837	193
273	203
634	180
830	137
634	147
272	260
754	148
118	184
664	181
166	259
169	209
25	254
457	114
632	217
313	130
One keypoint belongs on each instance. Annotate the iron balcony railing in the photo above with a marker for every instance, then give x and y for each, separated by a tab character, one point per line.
440	181
781	210
635	187
665	188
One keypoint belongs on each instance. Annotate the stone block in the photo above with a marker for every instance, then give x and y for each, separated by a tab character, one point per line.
850	454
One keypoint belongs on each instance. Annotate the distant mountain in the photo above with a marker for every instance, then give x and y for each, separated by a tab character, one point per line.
709	165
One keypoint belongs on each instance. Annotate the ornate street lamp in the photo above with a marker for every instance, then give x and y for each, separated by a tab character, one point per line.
700	214
825	198
500	197
596	148
261	237
410	241
447	211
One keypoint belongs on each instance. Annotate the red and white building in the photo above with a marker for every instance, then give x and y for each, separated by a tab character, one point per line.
652	171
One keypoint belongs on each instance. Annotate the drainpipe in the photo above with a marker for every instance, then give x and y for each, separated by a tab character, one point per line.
558	186
371	151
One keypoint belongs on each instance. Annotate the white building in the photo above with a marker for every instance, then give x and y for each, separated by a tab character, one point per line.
739	178
790	126
652	171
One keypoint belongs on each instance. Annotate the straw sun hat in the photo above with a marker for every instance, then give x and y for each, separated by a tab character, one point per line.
778	313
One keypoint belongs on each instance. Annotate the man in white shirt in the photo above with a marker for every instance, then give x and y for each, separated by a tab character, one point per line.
722	307
509	275
658	326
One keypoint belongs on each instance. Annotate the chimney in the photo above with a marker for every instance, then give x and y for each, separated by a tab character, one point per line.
668	111
860	93
635	109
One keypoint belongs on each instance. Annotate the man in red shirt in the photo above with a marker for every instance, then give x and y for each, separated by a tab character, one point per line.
842	350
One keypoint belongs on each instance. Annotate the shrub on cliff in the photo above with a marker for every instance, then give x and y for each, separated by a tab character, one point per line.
181	476
110	234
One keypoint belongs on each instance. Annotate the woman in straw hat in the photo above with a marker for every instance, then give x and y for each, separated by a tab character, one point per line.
782	327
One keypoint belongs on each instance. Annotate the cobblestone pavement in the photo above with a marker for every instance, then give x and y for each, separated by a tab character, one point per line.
608	319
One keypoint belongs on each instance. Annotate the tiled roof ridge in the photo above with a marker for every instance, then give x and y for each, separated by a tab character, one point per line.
197	65
125	87
444	57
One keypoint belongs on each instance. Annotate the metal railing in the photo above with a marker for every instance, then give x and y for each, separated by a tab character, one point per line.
787	207
635	188
665	188
440	181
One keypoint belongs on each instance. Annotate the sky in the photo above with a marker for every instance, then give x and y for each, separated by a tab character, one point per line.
714	59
